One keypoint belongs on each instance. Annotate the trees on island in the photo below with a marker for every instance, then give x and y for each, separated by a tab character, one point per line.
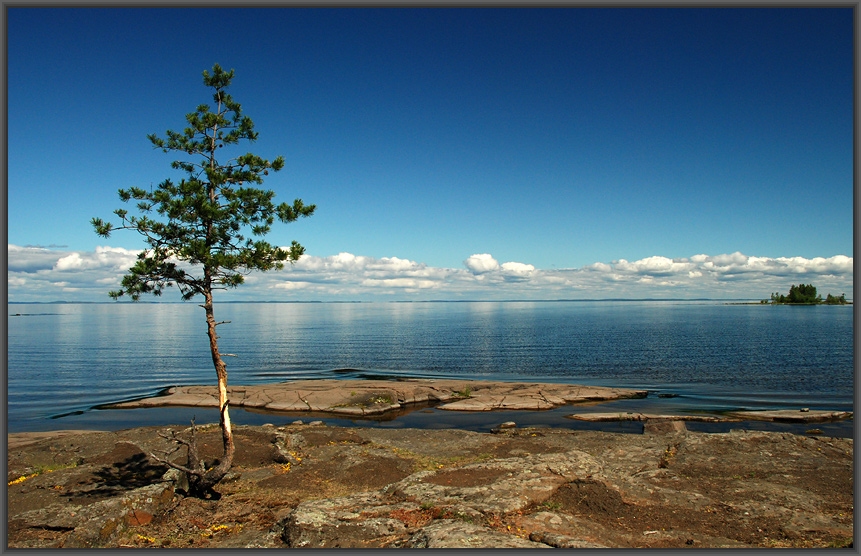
806	294
207	235
802	293
833	300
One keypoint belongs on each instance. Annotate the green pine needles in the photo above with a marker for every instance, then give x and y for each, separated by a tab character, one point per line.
214	217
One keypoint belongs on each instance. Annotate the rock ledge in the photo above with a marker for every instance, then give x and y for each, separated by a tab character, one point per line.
373	397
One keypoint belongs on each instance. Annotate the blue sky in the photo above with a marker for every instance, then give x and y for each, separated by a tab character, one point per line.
456	153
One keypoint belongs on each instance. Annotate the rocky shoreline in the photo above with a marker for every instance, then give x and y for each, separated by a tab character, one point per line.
308	484
312	485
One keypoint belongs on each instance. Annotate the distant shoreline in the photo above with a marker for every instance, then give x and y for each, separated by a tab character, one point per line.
769	304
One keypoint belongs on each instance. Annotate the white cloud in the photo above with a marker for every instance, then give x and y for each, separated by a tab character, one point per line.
738	263
406	283
599	267
30	259
479	264
292	285
653	266
37	274
69	262
104	257
483	263
517	268
729	260
394	263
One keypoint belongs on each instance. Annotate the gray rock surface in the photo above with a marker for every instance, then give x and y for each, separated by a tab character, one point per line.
451	533
322	486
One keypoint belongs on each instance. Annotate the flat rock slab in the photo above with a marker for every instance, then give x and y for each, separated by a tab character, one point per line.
792	416
779	416
372	397
601	417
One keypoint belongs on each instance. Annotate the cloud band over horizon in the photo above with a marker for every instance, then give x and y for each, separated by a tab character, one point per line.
42	274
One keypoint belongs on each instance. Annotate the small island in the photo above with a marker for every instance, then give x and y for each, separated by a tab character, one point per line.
805	294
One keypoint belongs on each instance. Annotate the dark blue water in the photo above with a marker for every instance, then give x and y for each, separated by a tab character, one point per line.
65	359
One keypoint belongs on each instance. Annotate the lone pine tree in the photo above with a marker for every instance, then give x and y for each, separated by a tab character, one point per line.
207	234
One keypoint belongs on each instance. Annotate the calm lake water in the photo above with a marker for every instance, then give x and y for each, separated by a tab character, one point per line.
64	359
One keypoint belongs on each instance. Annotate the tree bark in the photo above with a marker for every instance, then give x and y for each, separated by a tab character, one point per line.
201	483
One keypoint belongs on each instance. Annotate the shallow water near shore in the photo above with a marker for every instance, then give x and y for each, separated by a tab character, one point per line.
65	359
431	418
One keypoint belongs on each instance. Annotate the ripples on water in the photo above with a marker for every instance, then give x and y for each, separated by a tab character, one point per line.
69	358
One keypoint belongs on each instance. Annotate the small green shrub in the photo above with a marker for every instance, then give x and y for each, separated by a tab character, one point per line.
465	393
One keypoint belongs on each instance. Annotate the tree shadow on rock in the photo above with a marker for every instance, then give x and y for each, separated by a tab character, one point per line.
135	471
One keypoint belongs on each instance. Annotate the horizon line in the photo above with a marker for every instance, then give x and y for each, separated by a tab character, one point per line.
251	301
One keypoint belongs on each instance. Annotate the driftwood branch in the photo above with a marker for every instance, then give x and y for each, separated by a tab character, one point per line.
191	446
176	466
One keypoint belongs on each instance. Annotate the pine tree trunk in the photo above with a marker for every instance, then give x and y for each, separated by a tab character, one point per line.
201	485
